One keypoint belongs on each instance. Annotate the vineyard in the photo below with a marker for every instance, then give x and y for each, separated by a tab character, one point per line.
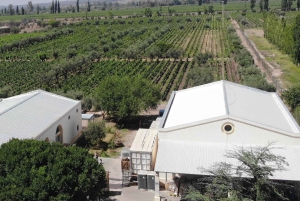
78	55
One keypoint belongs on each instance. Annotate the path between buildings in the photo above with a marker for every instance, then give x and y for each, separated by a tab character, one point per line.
246	45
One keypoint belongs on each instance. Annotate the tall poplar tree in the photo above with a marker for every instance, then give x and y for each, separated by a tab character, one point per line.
17	10
58	7
252	4
55	6
23	12
298	4
261	5
266	5
77	5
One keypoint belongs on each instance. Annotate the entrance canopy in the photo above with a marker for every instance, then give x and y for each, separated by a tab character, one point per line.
187	157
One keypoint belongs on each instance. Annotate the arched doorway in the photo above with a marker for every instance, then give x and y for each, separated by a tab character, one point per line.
59	134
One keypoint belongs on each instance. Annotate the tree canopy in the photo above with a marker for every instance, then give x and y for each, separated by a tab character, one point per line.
256	165
292	96
95	131
125	96
38	170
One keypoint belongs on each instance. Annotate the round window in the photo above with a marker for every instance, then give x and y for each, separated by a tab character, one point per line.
228	128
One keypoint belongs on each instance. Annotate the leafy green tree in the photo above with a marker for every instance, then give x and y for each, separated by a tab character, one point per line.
5	92
211	9
199	2
252	4
202	58
23	12
95	131
55	6
292	96
125	97
148	12
17	10
58	7
87	103
200	76
77	6
174	53
298	4
296	38
52	7
255	166
261	5
266	5
284	5
36	170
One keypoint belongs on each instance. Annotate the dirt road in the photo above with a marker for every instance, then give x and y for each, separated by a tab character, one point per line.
247	46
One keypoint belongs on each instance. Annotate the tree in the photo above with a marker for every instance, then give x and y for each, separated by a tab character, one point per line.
266	5
200	76
95	131
296	38
256	165
37	9
284	5
252	4
77	5
199	2
148	12
11	9
17	10
261	5
298	4
30	6
58	7
126	102
52	7
23	12
211	9
88	6
292	96
39	170
55	6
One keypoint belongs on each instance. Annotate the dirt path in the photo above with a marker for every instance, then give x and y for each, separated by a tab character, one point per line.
245	44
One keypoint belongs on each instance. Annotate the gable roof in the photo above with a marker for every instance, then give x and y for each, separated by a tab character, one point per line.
30	114
227	98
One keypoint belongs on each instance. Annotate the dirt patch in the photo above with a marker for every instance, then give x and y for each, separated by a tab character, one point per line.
255	32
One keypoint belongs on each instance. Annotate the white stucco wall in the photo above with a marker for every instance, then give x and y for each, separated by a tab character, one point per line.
69	126
243	134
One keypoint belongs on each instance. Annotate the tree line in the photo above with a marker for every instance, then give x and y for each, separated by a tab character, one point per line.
285	35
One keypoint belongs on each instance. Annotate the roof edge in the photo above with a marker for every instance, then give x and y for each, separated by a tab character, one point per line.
167	110
226	117
286	113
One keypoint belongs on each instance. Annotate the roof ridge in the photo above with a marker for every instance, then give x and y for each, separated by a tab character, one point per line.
225	97
19	103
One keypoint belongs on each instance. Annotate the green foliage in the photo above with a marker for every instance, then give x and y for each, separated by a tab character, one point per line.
202	58
148	12
95	131
53	23
292	96
200	76
87	103
125	97
37	170
256	165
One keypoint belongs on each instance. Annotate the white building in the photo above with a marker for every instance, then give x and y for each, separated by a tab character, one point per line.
200	123
40	115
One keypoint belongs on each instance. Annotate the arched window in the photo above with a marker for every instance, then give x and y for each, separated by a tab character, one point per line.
59	134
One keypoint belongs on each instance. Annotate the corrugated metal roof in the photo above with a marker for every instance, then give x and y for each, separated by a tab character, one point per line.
144	140
187	157
30	114
226	98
